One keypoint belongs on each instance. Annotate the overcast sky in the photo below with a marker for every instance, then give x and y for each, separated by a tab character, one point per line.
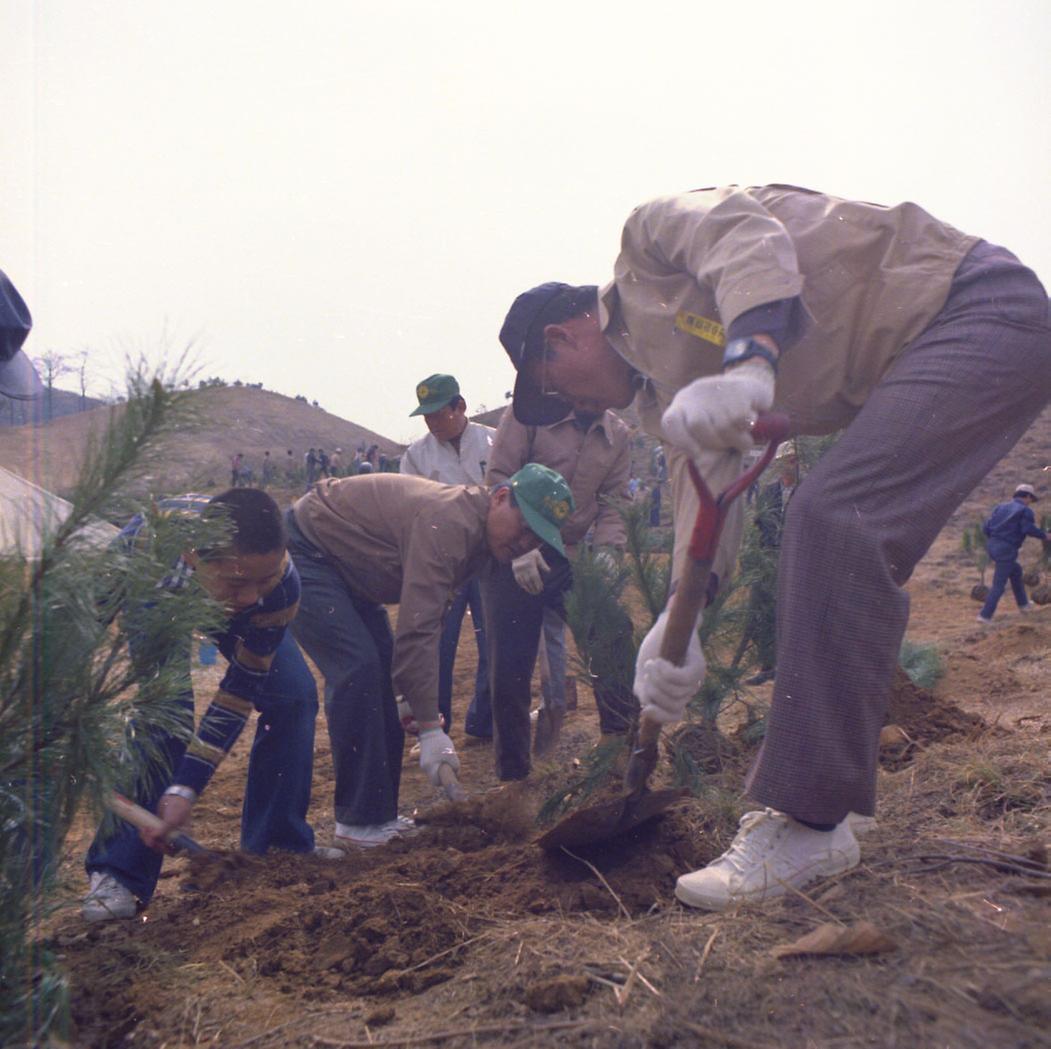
339	198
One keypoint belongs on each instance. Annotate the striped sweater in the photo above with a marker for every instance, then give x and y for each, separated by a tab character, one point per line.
248	642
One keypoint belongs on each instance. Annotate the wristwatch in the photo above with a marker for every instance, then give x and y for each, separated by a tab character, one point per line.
182	792
738	350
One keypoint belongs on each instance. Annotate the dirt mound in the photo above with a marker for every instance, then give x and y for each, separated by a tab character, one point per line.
399	918
922	719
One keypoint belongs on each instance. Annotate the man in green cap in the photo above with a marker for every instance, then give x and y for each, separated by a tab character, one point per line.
363	542
455	451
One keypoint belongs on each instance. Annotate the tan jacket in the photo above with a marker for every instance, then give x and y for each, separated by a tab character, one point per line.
595	464
407	541
871	279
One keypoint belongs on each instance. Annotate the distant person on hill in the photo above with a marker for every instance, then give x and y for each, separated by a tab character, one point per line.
269	471
1005	532
236	462
322	463
655	505
310	463
290	466
335	463
18	377
455	451
364	542
255	580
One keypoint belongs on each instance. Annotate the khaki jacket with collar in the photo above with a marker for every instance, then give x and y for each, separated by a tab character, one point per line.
871	279
406	541
595	463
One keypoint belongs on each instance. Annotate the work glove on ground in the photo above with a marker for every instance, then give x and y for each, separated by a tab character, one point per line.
529	570
664	689
717	412
436	749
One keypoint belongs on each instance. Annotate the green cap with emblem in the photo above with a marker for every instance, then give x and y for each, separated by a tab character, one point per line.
545	501
434	393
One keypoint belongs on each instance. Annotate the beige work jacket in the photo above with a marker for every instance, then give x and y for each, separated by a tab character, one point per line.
595	463
871	278
401	540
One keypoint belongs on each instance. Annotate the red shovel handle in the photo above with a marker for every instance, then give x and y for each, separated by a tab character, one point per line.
692	587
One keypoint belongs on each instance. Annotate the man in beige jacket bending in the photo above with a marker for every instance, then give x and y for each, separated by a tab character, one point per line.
360	543
930	348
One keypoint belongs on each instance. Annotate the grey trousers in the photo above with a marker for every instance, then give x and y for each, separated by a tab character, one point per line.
951	406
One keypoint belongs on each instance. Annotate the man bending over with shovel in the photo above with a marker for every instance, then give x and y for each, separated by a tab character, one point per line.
380	539
930	347
253	578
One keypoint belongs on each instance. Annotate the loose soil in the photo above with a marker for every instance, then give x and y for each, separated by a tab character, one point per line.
468	934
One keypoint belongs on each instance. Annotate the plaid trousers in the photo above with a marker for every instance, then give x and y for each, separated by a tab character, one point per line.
950	407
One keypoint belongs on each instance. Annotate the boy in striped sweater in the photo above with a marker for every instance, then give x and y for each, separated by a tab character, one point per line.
255	581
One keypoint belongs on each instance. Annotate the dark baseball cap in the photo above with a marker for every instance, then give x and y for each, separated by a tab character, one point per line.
18	377
522	336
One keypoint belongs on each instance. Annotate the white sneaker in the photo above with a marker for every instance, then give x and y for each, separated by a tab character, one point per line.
107	899
326	852
367	836
1026	608
770	854
981	619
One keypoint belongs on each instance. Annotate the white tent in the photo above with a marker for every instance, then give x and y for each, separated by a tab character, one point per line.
27	512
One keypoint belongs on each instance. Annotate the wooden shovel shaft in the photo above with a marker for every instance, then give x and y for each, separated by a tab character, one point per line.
450	784
143	819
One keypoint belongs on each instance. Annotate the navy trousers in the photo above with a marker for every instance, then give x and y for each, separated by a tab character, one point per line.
1004	572
277	791
479	720
350	641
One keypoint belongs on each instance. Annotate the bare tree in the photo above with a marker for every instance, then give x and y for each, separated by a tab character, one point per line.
51	364
81	358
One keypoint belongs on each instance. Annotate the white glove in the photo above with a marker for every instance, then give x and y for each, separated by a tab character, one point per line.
529	570
664	689
436	749
717	412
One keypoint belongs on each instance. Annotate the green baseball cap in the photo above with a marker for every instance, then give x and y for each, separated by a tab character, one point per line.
434	393
545	501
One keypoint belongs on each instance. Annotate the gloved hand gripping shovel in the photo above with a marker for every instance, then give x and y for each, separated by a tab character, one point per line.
692	589
637	804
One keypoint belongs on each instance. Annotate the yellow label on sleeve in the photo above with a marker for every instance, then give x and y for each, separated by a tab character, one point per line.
703	327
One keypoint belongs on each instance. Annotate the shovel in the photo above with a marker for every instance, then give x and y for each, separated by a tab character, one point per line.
638	804
139	817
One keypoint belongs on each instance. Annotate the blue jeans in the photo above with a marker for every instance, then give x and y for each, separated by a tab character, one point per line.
1004	572
277	791
479	720
553	681
350	641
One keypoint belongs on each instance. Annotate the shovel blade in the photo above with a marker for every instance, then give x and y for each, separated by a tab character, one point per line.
608	819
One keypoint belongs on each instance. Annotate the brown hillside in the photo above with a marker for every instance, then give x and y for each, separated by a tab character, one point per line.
233	419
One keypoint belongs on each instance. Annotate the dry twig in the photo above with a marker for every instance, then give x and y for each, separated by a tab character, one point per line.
598	874
461	1032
